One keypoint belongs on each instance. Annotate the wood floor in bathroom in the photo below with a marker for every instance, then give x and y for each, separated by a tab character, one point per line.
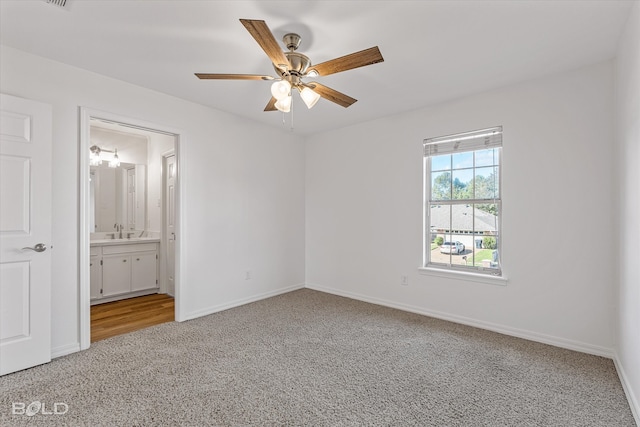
121	317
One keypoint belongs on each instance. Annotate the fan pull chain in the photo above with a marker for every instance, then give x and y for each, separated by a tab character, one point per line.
292	114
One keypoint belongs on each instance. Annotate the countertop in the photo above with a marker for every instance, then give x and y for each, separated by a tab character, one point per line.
133	240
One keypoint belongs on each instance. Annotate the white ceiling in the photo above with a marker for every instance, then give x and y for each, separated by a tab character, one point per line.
434	50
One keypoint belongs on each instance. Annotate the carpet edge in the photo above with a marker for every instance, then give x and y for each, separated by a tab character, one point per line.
626	386
501	329
242	301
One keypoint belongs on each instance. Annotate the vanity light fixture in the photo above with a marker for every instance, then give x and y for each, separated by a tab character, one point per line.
95	158
115	162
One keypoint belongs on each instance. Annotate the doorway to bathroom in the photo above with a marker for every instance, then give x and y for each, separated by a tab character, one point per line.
129	221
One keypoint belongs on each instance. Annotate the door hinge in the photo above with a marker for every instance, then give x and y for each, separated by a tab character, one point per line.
156	281
156	256
100	290
100	262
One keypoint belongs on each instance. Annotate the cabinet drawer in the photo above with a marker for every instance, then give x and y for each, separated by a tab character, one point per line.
124	249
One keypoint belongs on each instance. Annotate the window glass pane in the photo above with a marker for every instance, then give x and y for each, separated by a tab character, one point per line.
439	163
441	185
439	225
485	249
462	184
463	160
460	238
486	183
486	157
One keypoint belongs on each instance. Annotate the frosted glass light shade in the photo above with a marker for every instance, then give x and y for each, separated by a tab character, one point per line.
280	89
94	159
115	162
309	97
94	156
284	104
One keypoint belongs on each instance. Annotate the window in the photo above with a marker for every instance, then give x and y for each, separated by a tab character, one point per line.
462	201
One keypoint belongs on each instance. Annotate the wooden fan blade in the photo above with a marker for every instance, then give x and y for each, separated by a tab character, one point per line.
263	35
348	62
271	106
206	76
332	94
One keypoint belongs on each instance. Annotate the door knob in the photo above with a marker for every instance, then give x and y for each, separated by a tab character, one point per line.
40	247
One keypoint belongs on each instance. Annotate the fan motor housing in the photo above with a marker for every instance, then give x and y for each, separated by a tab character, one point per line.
292	41
298	63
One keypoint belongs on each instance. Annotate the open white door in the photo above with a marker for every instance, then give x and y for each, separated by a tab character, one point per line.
25	233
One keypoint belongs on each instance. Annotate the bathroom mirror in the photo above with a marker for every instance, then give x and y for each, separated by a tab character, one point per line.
118	196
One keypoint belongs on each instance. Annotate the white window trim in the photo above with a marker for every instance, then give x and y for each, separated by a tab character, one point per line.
451	143
469	276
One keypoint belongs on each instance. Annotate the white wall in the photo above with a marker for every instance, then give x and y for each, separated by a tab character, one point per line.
364	211
243	199
628	139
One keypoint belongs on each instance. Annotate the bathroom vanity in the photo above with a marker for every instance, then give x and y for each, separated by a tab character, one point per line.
123	268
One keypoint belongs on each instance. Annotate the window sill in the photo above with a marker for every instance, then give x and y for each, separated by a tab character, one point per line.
463	275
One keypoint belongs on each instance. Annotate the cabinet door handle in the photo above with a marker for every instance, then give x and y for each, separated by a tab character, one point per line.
137	259
124	260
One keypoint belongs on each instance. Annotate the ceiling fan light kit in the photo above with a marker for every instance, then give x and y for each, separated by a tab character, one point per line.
284	104
280	89
291	67
309	97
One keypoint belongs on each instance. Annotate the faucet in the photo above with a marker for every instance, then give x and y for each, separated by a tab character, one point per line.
118	228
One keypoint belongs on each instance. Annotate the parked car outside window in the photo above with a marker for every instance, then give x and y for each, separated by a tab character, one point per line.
452	248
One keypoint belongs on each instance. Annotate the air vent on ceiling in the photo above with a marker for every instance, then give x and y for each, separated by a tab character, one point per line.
60	3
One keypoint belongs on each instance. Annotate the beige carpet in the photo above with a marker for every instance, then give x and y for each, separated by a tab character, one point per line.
313	359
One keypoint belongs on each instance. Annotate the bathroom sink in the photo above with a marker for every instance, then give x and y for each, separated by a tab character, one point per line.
124	240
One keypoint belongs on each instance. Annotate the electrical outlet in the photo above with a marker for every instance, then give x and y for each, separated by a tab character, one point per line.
404	280
247	275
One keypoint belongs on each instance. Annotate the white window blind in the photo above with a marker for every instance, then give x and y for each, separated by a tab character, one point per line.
468	141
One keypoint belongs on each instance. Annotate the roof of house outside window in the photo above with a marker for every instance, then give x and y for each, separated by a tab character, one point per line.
462	219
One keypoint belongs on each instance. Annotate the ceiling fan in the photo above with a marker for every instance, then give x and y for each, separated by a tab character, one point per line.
291	67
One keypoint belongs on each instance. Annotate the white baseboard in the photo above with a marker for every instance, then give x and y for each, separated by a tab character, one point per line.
64	350
502	329
239	302
628	391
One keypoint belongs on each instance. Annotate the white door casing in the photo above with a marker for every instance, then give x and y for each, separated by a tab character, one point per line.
25	222
170	221
86	114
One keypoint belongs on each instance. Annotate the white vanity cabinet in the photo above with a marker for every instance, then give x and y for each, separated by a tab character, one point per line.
116	274
95	272
127	270
144	266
